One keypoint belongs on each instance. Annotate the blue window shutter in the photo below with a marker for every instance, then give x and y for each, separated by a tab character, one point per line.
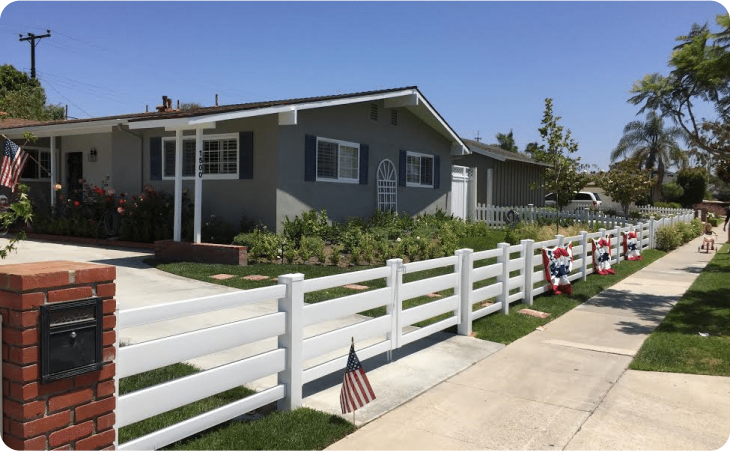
402	168
364	150
245	155
156	158
436	172
310	158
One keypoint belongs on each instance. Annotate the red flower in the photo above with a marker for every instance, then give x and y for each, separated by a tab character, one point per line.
121	201
109	199
76	203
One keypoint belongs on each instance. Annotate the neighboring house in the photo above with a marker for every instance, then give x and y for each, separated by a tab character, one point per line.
504	178
350	154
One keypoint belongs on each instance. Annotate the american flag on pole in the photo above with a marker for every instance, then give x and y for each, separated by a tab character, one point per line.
356	390
13	163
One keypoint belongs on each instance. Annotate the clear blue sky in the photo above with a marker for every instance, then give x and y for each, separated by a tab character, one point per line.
485	66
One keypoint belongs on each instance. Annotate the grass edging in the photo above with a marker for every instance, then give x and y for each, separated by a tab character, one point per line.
676	345
298	429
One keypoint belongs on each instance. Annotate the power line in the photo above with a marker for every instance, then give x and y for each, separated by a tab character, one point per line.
67	99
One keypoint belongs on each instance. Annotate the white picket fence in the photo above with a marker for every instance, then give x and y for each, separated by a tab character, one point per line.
516	275
497	216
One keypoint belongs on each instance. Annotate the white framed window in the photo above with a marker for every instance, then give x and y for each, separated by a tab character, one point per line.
32	171
338	161
220	157
419	170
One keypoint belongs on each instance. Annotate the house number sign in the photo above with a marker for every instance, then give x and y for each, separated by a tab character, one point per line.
200	164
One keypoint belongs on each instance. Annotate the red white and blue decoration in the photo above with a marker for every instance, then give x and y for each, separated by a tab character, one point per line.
632	250
558	262
602	256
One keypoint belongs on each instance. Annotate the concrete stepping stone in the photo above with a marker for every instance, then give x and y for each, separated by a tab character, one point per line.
222	276
535	313
433	295
487	303
256	277
354	286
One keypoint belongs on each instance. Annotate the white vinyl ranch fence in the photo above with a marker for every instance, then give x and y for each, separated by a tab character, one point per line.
515	275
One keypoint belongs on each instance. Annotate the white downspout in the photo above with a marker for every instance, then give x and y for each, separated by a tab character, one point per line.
54	176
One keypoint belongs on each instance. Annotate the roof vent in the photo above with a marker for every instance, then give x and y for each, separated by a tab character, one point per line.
374	111
393	117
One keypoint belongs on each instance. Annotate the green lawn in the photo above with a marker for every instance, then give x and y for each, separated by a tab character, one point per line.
676	346
508	328
299	429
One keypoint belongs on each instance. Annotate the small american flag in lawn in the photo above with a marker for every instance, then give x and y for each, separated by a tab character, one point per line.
13	162
356	390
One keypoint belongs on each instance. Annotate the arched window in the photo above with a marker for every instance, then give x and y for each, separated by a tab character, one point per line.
387	185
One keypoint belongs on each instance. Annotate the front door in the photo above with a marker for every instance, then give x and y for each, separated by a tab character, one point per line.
75	171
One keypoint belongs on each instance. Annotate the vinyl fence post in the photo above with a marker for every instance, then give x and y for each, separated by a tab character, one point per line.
504	276
292	304
584	243
651	233
394	281
640	236
618	244
528	251
466	264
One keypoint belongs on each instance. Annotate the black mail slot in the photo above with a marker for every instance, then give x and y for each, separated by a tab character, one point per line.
71	336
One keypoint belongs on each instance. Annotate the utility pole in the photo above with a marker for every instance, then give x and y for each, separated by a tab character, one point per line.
32	39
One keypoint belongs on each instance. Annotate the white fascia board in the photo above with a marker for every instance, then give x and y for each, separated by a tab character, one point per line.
454	137
78	128
458	149
299	107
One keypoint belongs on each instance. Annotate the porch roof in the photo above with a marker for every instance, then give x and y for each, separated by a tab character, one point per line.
500	154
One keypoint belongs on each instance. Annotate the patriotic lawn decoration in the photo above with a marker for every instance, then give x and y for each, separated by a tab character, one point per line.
632	251
602	256
558	262
356	390
14	159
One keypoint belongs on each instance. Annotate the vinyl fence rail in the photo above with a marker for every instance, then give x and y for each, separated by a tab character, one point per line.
494	279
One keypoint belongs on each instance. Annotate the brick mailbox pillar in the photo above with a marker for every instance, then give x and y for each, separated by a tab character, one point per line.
74	412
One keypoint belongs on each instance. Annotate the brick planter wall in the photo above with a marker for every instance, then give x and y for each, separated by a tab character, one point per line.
176	251
70	413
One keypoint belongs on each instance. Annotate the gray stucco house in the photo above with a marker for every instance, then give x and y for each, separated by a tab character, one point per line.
504	178
350	154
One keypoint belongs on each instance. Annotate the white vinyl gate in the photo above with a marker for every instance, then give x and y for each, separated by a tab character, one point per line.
463	182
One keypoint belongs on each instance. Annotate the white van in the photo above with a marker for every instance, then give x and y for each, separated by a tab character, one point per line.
583	199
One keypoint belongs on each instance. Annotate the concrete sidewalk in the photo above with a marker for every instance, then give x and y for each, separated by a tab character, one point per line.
568	387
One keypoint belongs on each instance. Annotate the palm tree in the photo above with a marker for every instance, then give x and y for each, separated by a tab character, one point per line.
654	146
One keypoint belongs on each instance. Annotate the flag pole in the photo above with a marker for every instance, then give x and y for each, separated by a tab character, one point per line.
352	341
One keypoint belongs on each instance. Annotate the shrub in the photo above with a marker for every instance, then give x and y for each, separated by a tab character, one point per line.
694	183
261	245
312	223
336	254
667	239
667	205
216	230
312	246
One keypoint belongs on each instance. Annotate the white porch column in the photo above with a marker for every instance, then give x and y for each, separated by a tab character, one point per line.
54	176
178	183
198	184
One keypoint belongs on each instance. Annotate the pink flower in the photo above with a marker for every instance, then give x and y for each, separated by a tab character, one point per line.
57	186
120	210
76	203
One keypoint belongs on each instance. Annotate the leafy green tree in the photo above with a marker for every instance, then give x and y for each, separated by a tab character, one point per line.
652	144
563	177
24	97
626	182
694	183
700	74
672	192
190	106
531	148
506	142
